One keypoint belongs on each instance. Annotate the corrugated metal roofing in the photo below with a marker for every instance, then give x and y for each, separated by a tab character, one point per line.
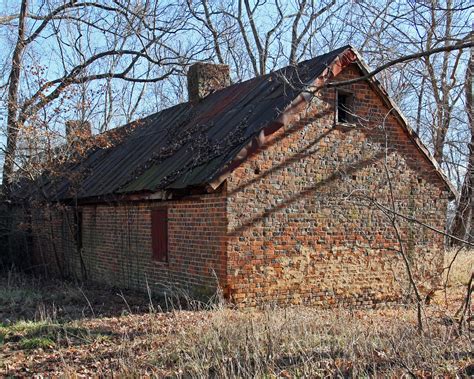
189	144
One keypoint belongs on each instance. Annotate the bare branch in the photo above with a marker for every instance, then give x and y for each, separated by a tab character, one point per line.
406	58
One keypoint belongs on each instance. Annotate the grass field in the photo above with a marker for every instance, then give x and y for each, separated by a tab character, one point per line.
57	328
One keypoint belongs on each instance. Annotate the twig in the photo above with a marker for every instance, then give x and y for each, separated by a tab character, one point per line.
448	268
88	302
125	301
466	303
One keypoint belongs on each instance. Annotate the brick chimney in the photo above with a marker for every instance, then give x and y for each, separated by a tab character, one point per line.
77	130
205	78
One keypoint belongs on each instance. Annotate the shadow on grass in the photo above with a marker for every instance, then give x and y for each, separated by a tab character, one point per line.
37	299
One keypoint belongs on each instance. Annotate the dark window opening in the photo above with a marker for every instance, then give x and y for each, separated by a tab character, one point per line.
159	234
344	107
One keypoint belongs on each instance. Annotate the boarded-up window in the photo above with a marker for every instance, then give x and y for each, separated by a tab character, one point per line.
159	234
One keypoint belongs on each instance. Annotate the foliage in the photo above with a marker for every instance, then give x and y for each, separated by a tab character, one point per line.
36	343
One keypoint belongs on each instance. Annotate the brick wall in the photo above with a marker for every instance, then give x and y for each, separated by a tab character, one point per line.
117	244
54	250
301	228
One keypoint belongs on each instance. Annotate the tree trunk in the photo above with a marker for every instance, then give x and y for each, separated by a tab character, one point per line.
463	224
12	105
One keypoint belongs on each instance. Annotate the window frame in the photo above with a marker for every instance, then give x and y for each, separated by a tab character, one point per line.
159	229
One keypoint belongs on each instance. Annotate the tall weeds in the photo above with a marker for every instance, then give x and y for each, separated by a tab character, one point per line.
309	343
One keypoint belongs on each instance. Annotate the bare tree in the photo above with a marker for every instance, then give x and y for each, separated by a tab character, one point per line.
429	90
92	42
261	35
464	217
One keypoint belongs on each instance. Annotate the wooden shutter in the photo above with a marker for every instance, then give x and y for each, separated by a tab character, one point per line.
159	234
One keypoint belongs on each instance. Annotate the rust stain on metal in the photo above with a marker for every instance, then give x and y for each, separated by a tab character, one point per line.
199	144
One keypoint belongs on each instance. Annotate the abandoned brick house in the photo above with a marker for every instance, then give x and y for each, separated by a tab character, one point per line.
275	189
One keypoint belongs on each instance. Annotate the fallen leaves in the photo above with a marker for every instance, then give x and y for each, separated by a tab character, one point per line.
128	338
301	341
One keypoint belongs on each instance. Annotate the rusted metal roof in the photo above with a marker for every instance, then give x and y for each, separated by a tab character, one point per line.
189	144
195	144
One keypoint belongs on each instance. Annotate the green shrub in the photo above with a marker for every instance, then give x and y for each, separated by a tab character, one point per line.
36	343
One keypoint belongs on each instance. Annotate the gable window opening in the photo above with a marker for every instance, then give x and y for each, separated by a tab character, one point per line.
344	107
159	234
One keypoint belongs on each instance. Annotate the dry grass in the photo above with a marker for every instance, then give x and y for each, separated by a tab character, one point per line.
462	266
221	342
302	342
25	297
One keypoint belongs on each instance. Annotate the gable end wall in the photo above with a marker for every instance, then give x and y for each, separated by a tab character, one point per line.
301	228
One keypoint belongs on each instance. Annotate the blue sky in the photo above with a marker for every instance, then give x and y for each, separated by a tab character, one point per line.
43	62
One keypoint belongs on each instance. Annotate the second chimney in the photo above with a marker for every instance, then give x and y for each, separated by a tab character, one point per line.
205	78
